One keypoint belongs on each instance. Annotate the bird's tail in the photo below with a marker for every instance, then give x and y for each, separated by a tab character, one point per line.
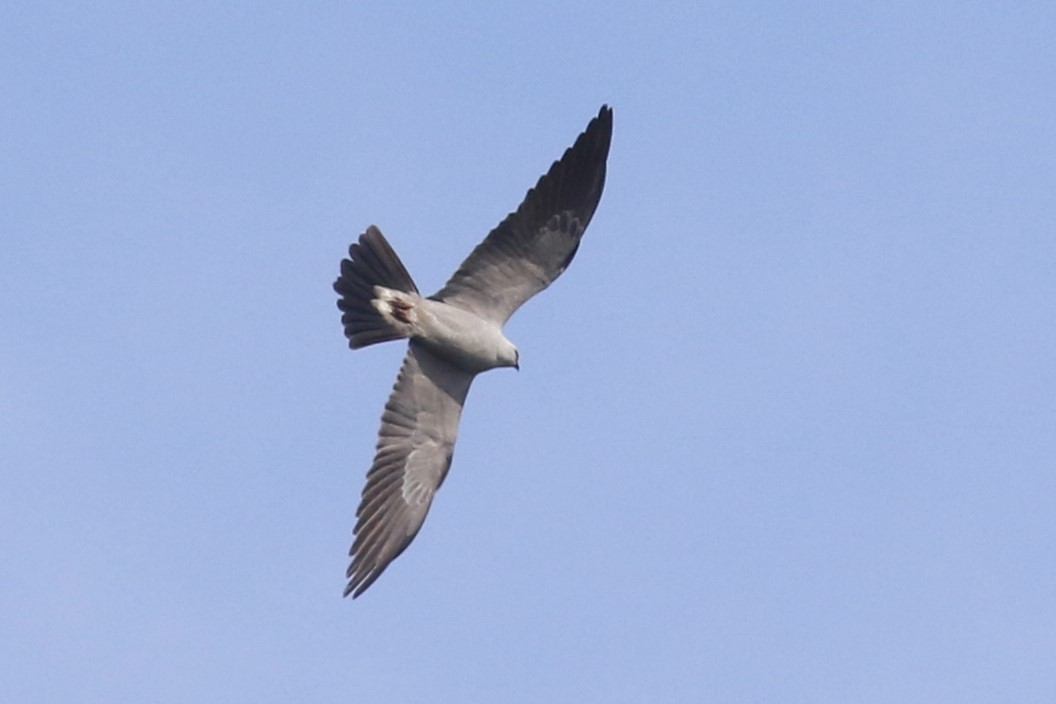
377	295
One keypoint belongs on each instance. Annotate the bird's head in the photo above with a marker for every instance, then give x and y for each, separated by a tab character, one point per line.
508	355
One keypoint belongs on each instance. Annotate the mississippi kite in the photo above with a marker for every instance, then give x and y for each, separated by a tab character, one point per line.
453	335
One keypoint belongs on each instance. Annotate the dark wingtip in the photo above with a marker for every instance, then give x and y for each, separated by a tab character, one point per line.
602	122
359	583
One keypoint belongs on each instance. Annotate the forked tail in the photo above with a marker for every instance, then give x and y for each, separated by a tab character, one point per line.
370	287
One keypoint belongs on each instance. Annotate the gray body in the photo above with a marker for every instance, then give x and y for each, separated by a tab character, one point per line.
472	343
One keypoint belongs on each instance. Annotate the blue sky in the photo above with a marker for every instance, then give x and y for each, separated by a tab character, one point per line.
783	432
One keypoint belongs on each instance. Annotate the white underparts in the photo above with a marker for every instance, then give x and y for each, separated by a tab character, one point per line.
396	307
462	337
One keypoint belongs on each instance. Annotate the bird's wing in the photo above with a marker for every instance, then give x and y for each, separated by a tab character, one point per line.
535	243
415	445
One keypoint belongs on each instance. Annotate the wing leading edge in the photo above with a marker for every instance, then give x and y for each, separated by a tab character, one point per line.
529	249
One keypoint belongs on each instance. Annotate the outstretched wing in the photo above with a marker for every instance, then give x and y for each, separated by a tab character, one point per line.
535	243
415	445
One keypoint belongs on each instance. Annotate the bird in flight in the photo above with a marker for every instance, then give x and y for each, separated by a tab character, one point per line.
453	335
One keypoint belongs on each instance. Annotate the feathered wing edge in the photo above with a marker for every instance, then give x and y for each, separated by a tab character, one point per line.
534	244
415	446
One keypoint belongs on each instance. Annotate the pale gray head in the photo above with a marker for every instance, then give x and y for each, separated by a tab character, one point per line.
508	355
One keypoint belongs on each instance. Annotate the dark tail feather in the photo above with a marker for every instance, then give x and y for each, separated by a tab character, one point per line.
371	262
